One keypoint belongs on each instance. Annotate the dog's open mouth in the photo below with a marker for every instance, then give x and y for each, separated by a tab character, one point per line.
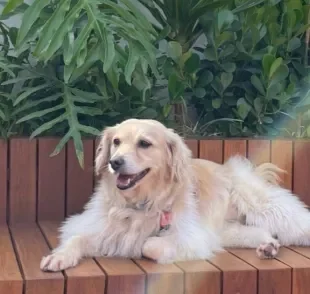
125	182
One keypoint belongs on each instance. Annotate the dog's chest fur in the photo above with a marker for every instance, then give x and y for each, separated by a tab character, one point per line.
126	230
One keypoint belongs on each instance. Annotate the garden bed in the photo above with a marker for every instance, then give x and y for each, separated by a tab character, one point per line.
37	191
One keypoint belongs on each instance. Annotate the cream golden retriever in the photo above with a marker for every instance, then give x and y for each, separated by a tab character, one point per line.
153	200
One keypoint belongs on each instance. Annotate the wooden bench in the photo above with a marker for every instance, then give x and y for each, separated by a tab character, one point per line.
37	192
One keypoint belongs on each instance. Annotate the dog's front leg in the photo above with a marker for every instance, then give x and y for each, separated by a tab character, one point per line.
67	255
187	242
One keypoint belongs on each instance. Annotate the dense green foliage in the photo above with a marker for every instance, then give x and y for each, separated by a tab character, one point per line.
205	67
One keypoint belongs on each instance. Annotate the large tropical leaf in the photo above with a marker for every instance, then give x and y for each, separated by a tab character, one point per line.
61	104
87	32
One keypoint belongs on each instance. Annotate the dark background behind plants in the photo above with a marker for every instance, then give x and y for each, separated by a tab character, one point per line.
206	68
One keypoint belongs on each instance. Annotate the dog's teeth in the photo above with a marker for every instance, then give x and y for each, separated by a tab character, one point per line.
128	181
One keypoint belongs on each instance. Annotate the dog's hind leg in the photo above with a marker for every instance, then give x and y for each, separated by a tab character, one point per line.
238	235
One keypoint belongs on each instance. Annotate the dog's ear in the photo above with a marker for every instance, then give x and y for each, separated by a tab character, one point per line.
103	150
180	156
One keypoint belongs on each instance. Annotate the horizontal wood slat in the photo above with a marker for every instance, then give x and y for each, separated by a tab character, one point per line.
237	275
31	247
87	277
11	281
123	276
273	276
162	278
199	276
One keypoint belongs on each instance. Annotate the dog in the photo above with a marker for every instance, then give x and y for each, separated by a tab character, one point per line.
154	200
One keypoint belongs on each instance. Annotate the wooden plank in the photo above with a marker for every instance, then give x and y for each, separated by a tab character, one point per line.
234	147
199	276
31	247
3	180
162	278
259	151
86	277
193	146
211	150
123	276
51	181
273	276
301	172
300	270
11	281
282	156
22	205
238	276
79	181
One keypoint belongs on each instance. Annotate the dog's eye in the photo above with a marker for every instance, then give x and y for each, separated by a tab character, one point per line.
144	144
116	142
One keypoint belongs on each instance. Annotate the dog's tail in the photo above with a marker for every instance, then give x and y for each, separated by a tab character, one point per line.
269	172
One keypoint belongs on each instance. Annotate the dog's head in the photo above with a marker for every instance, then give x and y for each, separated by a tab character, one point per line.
140	152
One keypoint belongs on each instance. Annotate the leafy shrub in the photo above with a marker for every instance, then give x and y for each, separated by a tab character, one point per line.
229	68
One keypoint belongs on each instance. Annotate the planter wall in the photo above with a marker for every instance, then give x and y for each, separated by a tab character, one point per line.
35	186
37	192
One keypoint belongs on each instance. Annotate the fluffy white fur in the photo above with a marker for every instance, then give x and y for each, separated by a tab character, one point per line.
213	206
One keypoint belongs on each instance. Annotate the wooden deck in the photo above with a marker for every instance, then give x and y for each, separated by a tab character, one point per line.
37	192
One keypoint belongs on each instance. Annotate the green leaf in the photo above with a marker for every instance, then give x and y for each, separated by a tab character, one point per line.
33	104
61	143
224	17
256	82
11	5
243	108
216	103
192	64
58	37
166	110
174	50
205	78
275	66
200	92
40	113
229	67
68	48
258	104
279	75
48	125
30	16
293	44
28	92
79	148
210	54
51	26
267	120
90	130
175	87
2	115
133	58
268	60
226	79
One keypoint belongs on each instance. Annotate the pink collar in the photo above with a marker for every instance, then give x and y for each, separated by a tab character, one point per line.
165	219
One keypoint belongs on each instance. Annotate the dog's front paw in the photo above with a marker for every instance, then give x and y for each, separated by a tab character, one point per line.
57	262
268	250
159	250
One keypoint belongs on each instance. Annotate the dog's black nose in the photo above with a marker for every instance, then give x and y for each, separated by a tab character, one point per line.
117	163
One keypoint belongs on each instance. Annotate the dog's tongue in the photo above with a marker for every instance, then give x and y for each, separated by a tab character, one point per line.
124	180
